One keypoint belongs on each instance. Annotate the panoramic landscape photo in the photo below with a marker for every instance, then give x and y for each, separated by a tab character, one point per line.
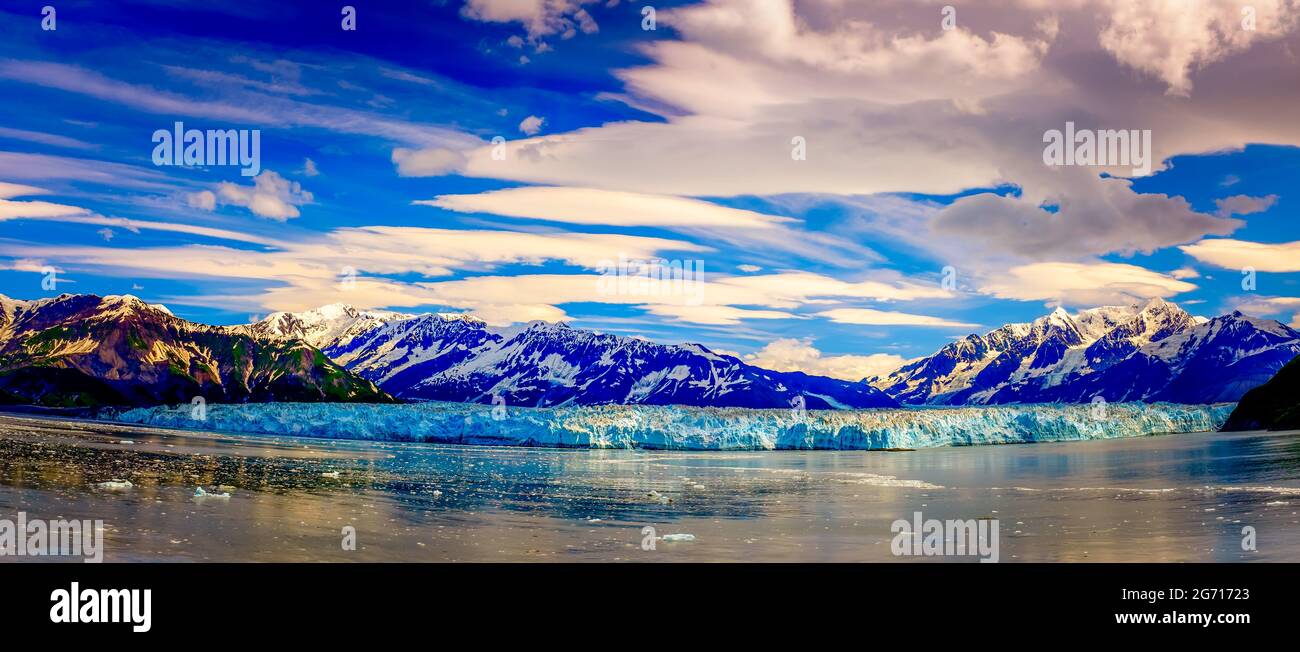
698	280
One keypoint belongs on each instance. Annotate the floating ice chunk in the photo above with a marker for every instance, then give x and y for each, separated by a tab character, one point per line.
115	485
658	497
678	537
200	493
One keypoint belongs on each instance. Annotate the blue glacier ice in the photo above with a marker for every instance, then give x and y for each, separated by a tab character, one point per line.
692	428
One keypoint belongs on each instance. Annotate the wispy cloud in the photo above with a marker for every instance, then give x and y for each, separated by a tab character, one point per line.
591	206
1242	254
252	108
1083	284
872	317
791	354
42	138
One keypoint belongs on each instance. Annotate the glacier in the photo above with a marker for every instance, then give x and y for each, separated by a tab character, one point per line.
690	428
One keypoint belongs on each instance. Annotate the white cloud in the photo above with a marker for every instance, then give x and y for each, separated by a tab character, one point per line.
1171	39
30	265
791	354
1240	254
11	190
203	200
1083	284
887	105
539	18
590	206
720	301
303	274
45	139
705	221
309	168
714	314
1272	306
306	273
531	125
1100	216
39	210
872	317
769	54
1268	305
788	289
428	162
13	210
265	110
271	196
30	167
1244	204
1184	273
749	268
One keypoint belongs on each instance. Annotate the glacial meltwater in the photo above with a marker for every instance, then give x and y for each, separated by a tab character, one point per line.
1177	497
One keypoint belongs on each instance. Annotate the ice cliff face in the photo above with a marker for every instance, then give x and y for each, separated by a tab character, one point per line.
693	428
1153	352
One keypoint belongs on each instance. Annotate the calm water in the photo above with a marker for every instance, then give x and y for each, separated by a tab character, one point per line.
1168	498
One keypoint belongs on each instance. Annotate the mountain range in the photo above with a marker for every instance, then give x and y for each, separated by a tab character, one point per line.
88	350
1150	352
451	357
85	350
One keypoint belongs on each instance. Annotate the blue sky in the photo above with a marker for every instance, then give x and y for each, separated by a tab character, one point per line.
923	153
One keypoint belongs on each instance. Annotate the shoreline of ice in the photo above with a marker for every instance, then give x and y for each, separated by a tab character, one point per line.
689	428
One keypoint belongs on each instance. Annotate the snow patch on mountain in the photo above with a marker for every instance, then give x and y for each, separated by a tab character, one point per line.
324	326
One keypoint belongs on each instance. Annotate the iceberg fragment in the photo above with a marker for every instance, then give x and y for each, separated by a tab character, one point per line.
200	493
691	428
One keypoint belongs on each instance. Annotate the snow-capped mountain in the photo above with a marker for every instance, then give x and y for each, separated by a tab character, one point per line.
85	350
459	358
403	353
335	323
1152	352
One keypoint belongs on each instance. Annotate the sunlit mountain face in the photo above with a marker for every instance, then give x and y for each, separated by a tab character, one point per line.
81	351
707	195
